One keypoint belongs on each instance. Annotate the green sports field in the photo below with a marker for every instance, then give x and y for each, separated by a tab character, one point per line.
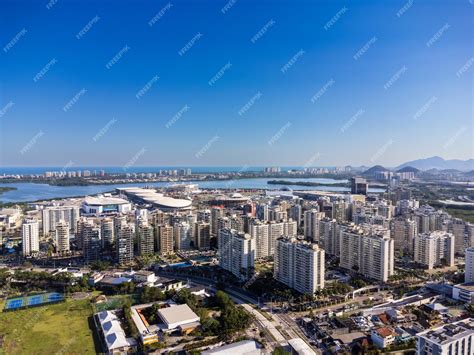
62	328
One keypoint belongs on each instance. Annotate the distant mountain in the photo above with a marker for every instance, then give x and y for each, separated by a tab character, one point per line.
469	173
375	169
450	171
440	163
408	169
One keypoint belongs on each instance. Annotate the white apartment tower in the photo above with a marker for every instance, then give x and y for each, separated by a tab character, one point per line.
434	249
62	237
55	214
311	224
183	236
329	231
107	231
368	250
236	252
124	244
30	237
145	239
469	268
299	265
216	213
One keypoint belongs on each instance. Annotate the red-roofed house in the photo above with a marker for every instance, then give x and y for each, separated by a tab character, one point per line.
382	337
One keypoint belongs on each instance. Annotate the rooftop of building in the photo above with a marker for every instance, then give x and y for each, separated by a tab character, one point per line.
468	286
102	201
155	198
246	347
114	335
177	314
384	332
449	332
301	347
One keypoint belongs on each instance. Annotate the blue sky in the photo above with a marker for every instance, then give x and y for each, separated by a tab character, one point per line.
303	97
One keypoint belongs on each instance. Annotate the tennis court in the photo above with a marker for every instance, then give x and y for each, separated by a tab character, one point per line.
32	301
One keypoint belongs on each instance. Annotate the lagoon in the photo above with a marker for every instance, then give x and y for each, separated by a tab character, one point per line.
26	191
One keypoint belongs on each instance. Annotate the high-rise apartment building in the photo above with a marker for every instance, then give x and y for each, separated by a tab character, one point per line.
368	250
183	236
203	235
299	265
469	267
62	237
434	249
448	339
403	232
359	186
311	224
54	214
259	231
146	245
107	232
329	231
165	239
124	244
91	241
458	228
296	214
30	237
237	253
216	213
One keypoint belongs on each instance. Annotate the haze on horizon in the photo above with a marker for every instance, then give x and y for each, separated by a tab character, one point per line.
234	83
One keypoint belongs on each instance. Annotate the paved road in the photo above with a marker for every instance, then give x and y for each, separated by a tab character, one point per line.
291	329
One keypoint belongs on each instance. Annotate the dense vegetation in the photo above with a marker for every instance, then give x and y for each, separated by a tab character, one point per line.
306	183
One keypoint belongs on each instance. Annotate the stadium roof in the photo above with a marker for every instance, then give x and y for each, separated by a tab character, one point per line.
156	198
102	201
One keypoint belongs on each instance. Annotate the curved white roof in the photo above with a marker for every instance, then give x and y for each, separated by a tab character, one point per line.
102	201
156	198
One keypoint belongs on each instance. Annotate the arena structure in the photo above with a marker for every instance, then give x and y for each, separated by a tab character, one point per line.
154	198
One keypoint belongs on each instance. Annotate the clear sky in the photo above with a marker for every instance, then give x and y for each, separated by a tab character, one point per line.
231	83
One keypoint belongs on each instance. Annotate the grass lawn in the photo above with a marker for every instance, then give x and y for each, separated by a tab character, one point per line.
62	328
465	214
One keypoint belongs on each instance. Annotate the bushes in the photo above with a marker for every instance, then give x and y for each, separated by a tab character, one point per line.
130	328
151	294
232	318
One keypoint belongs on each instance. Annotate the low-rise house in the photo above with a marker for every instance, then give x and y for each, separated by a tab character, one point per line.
167	284
75	272
95	277
114	340
382	337
145	277
437	307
